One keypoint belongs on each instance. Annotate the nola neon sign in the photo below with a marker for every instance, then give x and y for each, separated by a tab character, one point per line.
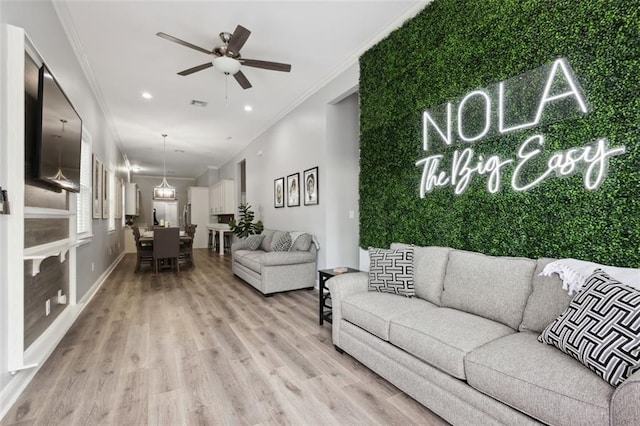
547	94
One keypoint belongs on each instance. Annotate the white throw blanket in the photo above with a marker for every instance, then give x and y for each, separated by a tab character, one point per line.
574	273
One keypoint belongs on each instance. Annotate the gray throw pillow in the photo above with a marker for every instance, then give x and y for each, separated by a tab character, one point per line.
266	241
391	271
252	242
302	243
283	244
601	328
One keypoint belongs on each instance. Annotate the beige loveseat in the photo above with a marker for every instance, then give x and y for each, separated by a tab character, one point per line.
271	271
466	346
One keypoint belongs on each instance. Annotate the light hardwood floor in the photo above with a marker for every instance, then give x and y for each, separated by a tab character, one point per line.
201	347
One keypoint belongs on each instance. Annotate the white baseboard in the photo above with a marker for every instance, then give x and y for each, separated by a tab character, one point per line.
43	347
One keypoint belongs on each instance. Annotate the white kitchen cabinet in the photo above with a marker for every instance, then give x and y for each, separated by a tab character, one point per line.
132	200
197	207
222	197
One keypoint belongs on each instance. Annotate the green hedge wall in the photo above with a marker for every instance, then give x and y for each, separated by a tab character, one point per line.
454	47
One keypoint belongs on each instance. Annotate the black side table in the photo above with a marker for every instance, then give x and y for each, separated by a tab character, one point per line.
324	297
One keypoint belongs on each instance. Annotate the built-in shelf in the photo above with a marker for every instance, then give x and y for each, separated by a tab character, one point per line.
39	253
42	212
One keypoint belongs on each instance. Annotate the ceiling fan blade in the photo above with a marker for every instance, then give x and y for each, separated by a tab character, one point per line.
238	39
242	80
196	69
183	43
273	66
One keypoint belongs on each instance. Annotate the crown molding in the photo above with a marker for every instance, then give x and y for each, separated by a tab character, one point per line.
60	6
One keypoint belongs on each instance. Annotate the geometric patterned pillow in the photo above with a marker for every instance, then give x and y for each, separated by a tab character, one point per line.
283	244
391	271
601	328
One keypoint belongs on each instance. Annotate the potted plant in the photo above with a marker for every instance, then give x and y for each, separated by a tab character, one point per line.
245	226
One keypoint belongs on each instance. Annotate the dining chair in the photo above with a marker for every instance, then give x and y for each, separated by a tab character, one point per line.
166	245
144	252
186	246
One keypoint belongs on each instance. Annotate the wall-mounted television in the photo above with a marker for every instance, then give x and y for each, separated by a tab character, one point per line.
58	136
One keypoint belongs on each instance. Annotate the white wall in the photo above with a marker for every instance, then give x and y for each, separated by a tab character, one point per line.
298	142
208	178
343	152
42	26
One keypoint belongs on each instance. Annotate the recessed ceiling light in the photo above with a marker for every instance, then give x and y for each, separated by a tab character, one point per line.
248	108
136	169
147	95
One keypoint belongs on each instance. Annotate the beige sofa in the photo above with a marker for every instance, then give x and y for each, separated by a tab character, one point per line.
466	346
270	271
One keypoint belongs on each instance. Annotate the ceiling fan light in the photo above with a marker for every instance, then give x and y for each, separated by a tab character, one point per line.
226	65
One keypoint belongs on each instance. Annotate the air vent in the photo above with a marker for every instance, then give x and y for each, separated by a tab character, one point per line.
198	103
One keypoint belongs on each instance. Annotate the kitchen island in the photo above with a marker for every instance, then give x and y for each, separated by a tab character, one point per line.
221	229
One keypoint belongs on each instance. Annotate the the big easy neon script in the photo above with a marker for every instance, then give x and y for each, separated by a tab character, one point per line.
547	94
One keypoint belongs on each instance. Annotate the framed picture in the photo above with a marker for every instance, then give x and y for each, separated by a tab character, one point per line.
97	187
278	192
105	193
119	193
293	190
310	177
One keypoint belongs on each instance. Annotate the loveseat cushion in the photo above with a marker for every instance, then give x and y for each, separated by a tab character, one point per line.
429	267
266	241
547	300
249	258
442	337
539	380
496	288
373	311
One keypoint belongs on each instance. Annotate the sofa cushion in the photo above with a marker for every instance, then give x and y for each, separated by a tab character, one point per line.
391	271
429	267
601	328
539	380
266	241
546	302
496	288
250	259
282	244
442	337
373	311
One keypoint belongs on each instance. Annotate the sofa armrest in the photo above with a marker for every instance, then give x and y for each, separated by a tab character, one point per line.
625	410
275	258
235	246
340	287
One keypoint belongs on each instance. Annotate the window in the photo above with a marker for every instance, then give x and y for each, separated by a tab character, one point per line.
83	205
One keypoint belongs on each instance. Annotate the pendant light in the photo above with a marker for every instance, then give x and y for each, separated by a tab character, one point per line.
59	178
164	191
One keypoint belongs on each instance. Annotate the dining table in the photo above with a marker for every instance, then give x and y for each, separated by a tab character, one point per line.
147	237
